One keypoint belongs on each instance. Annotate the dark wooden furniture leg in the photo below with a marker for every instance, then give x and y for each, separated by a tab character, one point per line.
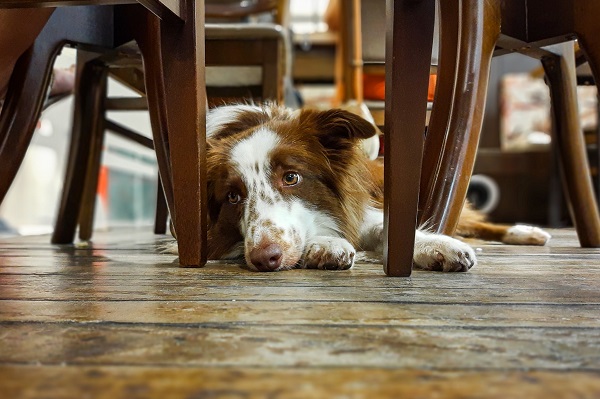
88	206
149	43
479	31
23	104
85	146
90	189
560	71
588	35
176	50
437	130
182	51
408	58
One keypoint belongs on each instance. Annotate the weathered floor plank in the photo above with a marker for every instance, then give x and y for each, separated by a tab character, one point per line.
76	290
300	383
227	345
290	313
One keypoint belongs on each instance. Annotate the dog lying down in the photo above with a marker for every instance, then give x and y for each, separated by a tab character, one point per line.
291	189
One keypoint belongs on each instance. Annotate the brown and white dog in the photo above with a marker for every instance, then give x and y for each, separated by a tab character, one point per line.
291	189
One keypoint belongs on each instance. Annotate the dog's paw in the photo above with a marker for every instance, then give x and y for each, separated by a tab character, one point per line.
436	252
330	253
521	234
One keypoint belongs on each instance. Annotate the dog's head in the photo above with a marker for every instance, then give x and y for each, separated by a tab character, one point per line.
277	177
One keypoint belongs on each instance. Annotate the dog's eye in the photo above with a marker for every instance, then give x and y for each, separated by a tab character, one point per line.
233	198
291	178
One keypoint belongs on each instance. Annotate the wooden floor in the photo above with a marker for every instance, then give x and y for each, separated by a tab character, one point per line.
118	319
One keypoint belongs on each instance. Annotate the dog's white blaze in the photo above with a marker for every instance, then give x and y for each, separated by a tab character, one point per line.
251	156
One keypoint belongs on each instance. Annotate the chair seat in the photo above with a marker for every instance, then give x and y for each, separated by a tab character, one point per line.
241	75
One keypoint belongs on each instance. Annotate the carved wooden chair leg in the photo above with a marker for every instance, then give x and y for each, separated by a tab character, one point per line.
179	57
479	31
22	106
85	147
443	101
560	71
410	31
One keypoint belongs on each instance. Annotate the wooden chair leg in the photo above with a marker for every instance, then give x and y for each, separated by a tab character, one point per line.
148	42
90	189
479	31
410	31
162	210
22	107
178	54
588	34
85	147
444	99
568	137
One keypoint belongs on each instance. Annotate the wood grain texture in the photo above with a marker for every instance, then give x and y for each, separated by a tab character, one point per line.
117	318
229	345
299	383
292	313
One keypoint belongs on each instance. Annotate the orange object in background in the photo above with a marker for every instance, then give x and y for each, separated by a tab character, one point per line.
103	185
374	87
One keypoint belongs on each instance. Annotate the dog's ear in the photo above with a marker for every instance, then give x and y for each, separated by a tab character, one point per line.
228	120
338	128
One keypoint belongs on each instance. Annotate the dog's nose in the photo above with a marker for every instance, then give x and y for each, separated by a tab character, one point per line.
266	259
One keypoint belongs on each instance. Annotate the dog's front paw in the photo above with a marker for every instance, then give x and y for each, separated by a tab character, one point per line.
331	253
442	253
